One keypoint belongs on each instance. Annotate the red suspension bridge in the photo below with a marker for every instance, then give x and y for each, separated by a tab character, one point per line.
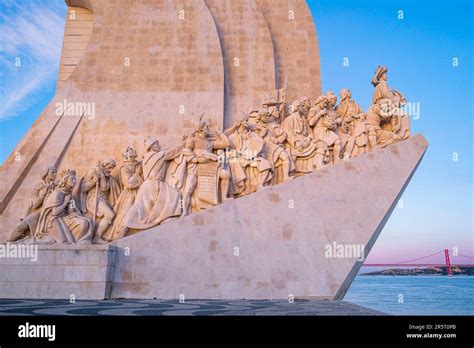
414	263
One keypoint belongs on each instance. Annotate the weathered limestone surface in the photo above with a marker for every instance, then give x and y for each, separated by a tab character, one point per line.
281	233
77	34
152	68
296	46
175	65
248	55
59	272
146	63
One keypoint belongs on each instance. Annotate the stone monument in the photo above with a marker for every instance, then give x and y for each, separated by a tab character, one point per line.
197	156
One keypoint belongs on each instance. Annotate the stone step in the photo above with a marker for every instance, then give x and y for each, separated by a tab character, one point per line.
56	271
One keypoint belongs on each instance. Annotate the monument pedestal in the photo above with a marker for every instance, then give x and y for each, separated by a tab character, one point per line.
272	244
279	242
56	271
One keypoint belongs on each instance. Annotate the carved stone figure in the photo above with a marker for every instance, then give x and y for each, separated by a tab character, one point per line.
306	102
386	114
276	101
357	135
249	170
213	178
42	190
131	179
274	138
211	166
322	119
60	220
182	174
333	120
98	191
156	201
299	142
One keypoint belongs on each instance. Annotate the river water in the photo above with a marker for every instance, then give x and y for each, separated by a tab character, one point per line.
414	295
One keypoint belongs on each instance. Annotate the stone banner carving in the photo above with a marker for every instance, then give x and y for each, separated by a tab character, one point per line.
208	187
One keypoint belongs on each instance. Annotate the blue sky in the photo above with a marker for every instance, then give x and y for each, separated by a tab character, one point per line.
418	50
31	31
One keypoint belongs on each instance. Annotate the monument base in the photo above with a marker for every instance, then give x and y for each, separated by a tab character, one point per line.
278	243
79	272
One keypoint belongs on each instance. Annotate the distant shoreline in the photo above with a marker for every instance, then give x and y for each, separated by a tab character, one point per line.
425	271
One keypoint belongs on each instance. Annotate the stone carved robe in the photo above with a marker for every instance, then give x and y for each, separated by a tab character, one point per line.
272	150
246	173
355	128
298	130
321	131
182	175
183	166
42	191
387	104
156	201
109	191
61	222
131	182
383	91
274	138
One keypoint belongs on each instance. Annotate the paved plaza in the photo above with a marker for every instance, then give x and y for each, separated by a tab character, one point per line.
189	307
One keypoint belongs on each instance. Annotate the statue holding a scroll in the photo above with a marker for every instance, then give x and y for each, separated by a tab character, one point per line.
213	178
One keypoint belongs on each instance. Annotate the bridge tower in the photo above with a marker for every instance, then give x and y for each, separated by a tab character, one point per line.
448	262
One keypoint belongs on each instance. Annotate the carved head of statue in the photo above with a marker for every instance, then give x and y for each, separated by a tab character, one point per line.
108	165
152	144
321	102
274	114
306	101
202	129
188	143
300	107
273	110
264	115
49	174
129	154
243	125
345	94
380	74
332	98
68	180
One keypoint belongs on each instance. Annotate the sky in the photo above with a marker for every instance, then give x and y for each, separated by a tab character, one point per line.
427	46
419	46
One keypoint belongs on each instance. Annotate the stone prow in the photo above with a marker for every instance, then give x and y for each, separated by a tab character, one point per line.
272	244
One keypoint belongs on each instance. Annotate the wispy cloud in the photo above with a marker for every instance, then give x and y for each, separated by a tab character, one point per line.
31	41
